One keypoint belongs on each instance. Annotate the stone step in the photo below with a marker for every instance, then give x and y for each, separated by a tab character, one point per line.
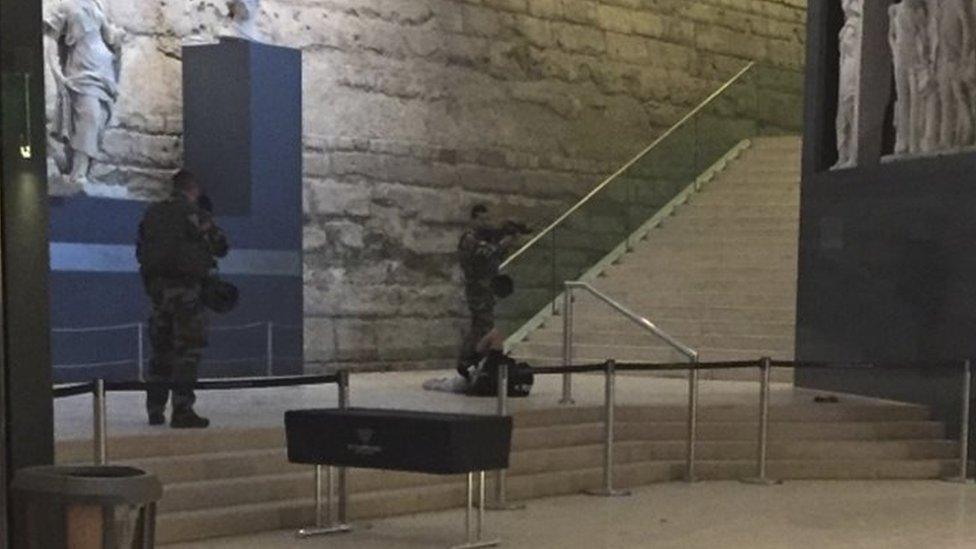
683	249
551	355
200	495
703	218
680	326
786	169
780	141
295	513
783	269
778	375
849	409
742	211
170	443
760	271
754	183
584	334
747	199
652	300
705	313
679	239
729	230
262	463
634	287
767	149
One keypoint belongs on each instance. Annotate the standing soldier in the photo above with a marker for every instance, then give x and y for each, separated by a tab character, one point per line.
177	249
480	255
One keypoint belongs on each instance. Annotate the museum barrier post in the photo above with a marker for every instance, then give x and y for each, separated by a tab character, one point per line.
567	397
100	423
501	502
692	421
609	425
964	414
765	368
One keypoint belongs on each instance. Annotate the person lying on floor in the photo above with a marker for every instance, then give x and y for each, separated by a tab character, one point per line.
481	376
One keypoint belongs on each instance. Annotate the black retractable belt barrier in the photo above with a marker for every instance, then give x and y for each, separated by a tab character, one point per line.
224	384
578	369
64	391
99	389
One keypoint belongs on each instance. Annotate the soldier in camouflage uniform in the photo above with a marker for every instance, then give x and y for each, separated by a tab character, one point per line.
177	249
480	258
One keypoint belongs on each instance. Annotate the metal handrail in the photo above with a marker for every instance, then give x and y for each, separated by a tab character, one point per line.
630	163
688	352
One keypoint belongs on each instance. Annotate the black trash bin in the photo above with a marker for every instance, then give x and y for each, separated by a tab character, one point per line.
96	507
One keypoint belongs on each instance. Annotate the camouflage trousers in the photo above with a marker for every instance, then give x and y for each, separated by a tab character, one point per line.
482	308
178	334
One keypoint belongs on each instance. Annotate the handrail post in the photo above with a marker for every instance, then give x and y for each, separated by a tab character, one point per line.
692	420
270	349
553	285
765	366
501	476
608	434
343	487
319	523
567	398
330	526
100	425
141	349
964	416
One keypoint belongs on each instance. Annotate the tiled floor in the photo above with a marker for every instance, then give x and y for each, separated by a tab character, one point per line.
266	407
863	515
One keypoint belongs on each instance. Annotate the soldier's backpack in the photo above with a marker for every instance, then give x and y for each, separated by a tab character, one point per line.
483	377
167	246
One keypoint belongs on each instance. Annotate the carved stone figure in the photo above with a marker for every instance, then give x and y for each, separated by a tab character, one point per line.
243	20
850	66
85	60
913	76
953	54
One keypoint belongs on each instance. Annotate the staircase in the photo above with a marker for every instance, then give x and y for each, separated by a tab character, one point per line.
719	274
230	482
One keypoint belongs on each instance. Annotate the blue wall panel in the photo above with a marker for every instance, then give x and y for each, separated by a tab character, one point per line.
253	173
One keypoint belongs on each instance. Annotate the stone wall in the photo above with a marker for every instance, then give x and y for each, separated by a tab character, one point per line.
417	109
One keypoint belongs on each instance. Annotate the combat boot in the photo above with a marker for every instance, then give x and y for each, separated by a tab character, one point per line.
157	418
188	420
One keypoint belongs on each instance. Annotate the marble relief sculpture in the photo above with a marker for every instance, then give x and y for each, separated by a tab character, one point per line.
933	43
954	57
917	101
850	65
84	58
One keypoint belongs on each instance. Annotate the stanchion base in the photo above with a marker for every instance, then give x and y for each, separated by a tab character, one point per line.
567	402
476	544
608	493
959	480
505	506
760	481
324	531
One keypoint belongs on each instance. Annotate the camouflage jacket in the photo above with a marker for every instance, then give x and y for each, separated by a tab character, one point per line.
178	239
480	260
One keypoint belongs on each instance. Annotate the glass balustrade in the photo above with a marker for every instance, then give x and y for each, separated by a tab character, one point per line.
757	101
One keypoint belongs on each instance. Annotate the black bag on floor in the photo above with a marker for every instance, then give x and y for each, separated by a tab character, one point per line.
483	377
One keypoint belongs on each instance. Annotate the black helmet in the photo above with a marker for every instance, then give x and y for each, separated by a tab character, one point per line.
219	296
502	286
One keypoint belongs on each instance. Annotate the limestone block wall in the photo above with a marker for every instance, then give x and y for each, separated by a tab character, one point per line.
417	109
